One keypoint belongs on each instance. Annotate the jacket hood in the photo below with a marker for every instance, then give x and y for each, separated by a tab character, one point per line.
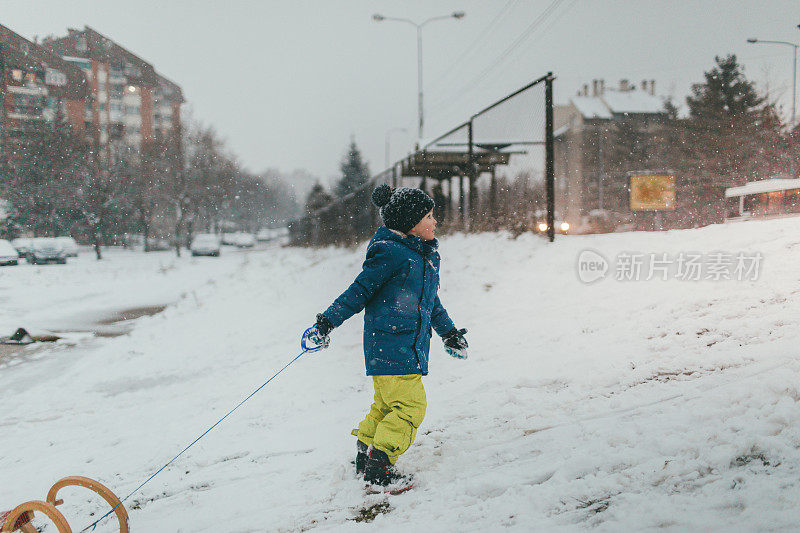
412	241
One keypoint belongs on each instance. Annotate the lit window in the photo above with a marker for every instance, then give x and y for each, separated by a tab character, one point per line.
16	74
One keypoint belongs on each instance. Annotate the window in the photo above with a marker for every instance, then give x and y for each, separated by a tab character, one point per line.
16	74
132	70
81	46
750	202
55	77
793	201
732	205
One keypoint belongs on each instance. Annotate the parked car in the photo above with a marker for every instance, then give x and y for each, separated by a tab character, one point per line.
44	251
264	235
22	245
8	254
228	238
155	244
69	245
205	244
239	239
245	240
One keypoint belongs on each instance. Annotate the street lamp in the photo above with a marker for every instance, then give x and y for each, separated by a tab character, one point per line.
389	134
753	40
454	15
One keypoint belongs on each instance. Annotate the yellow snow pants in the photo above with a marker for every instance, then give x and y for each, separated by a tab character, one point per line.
396	413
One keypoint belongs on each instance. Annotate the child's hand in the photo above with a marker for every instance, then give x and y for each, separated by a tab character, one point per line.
455	344
323	325
317	334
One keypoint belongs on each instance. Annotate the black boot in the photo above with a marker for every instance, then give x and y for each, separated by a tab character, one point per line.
361	458
380	471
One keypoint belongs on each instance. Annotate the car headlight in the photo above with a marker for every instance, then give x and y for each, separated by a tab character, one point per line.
565	226
542	227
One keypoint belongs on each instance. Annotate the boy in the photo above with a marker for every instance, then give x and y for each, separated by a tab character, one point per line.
397	288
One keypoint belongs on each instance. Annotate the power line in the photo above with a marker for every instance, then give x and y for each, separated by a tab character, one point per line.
467	87
467	51
503	56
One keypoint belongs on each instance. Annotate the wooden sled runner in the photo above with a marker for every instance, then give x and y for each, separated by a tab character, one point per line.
19	518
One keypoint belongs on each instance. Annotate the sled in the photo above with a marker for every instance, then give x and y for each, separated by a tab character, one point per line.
20	518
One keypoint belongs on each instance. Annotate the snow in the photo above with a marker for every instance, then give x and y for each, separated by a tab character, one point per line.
591	107
633	102
761	186
617	405
617	102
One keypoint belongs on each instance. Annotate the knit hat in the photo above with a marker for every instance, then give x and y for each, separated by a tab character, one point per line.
402	208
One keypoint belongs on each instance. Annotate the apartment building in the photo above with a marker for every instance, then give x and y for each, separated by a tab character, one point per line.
36	86
585	137
129	104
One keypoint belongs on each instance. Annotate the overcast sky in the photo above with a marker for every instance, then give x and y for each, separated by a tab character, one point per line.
288	82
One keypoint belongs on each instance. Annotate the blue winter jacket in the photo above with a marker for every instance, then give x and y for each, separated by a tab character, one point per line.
397	286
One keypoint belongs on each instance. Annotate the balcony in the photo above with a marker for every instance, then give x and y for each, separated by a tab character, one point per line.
29	90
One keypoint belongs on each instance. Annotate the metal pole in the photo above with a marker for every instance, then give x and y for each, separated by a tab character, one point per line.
600	191
419	79
794	69
549	157
493	196
794	85
387	147
461	199
449	214
455	15
470	170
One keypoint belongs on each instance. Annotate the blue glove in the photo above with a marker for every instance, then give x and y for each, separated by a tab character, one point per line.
317	335
455	344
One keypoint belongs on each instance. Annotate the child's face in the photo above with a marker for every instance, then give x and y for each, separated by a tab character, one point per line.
424	230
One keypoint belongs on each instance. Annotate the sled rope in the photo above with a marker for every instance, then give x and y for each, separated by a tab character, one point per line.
93	525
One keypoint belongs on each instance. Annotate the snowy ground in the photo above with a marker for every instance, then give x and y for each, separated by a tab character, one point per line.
617	405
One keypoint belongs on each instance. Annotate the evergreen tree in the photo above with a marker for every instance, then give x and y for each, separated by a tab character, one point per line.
733	135
355	173
317	198
726	92
351	216
320	226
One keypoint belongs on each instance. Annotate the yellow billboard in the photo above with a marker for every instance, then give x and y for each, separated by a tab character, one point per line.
652	192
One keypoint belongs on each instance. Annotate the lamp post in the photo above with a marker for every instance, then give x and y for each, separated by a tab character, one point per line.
388	135
455	15
794	68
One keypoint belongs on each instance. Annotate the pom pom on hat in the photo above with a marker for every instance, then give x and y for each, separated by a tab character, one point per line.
381	195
